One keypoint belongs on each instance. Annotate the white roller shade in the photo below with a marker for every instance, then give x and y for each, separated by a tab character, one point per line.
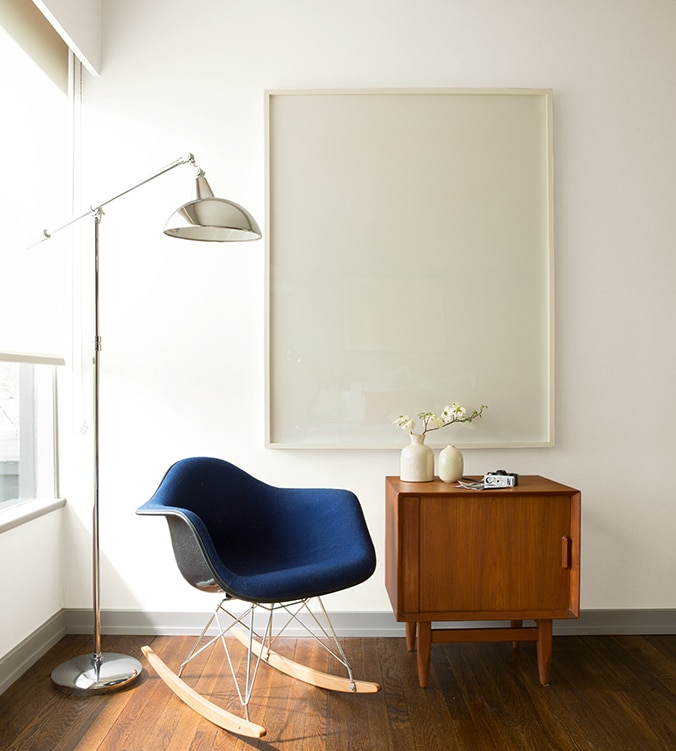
32	303
34	193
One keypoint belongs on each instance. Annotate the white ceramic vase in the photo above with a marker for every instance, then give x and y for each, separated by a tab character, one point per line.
417	461
450	464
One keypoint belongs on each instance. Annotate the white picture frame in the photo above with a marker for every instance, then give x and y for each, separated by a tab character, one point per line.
409	264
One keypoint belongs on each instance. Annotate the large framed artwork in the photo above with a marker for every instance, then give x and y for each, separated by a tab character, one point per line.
409	265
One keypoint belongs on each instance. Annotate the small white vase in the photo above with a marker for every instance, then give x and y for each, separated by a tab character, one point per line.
450	464
417	461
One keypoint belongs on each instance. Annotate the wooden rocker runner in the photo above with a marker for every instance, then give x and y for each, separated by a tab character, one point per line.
274	549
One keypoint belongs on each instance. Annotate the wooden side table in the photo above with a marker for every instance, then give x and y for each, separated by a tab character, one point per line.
491	555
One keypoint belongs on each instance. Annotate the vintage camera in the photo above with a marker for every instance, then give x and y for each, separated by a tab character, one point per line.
500	479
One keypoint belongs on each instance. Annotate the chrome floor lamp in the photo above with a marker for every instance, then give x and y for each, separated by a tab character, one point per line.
205	218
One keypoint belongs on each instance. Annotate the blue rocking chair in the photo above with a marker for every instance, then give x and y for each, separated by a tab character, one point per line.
275	549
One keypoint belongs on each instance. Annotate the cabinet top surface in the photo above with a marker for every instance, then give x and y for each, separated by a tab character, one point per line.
528	484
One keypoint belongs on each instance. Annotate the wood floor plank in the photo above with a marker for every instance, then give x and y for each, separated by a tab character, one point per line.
645	658
207	736
598	690
33	694
639	722
205	674
73	715
606	694
352	719
368	668
81	736
434	728
396	663
490	720
268	702
307	704
297	710
136	727
444	681
209	674
548	704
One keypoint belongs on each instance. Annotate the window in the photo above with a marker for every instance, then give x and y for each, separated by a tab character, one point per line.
27	433
9	432
34	193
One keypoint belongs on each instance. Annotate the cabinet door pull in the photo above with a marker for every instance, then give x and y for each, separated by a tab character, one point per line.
565	552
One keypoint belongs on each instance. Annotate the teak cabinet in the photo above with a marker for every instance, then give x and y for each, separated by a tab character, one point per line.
492	555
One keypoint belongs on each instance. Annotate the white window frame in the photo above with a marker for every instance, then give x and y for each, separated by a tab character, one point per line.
27	433
37	465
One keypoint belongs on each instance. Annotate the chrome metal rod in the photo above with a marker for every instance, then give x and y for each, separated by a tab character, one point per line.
96	548
95	208
101	672
98	672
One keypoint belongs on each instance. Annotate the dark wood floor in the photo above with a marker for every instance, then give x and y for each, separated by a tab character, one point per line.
606	694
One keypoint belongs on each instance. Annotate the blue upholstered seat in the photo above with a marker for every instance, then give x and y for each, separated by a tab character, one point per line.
257	542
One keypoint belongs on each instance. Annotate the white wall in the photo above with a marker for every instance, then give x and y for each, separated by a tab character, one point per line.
183	325
31	586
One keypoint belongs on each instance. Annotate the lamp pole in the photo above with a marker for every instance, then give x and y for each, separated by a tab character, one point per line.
205	218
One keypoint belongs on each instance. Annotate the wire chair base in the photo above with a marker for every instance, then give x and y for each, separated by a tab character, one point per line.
259	640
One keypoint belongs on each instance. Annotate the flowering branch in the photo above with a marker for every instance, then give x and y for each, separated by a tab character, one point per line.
452	413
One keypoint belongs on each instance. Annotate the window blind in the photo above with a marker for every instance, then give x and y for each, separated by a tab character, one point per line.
34	185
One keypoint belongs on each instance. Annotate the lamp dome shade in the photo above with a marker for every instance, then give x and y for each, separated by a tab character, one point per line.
212	220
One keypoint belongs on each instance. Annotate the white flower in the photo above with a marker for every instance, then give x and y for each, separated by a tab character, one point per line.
453	412
405	422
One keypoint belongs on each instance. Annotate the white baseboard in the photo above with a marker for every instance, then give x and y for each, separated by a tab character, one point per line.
361	624
16	662
367	623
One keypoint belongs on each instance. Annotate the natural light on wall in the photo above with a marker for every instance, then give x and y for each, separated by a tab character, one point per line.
33	191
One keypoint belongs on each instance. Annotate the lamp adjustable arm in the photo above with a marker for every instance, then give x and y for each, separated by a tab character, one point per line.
95	209
208	219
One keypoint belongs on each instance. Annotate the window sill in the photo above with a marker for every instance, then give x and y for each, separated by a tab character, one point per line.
24	511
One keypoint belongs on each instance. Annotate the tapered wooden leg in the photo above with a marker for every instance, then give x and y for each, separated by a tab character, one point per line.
410	635
424	652
516	624
544	650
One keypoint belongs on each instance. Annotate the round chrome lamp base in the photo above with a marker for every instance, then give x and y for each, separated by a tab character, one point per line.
96	674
